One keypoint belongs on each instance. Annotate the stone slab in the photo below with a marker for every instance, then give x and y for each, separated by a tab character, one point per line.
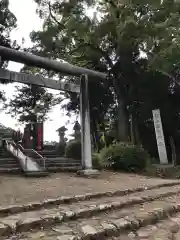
89	173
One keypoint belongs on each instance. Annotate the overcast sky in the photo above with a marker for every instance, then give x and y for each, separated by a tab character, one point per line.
27	20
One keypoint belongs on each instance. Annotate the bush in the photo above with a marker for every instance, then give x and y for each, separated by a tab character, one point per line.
96	161
73	149
124	156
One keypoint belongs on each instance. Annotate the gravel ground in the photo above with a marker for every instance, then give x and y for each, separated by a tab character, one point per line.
21	190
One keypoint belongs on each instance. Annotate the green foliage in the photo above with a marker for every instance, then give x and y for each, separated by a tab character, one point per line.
68	38
112	41
73	149
96	161
7	24
124	156
30	103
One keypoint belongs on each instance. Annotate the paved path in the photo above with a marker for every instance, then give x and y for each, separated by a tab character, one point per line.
20	190
152	212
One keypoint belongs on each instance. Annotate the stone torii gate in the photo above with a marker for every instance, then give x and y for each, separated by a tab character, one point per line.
64	69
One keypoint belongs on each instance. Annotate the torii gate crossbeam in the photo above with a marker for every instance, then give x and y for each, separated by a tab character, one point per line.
41	62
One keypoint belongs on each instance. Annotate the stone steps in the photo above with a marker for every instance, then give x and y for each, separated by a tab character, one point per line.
10	170
8	160
50	203
168	229
54	163
48	154
36	174
8	163
118	224
63	164
5	155
55	169
59	159
13	164
87	217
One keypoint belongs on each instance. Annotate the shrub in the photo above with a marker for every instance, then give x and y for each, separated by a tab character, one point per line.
96	161
124	156
73	149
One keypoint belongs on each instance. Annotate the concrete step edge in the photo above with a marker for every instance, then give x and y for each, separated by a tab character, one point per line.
48	221
115	228
14	209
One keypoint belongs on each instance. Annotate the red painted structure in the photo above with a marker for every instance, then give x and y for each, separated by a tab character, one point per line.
33	136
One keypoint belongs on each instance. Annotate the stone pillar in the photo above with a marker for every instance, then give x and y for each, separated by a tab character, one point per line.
160	136
85	129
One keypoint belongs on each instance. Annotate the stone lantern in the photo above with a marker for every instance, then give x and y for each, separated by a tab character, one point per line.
61	132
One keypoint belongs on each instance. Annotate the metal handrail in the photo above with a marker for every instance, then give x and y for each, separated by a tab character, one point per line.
19	147
16	147
41	157
31	149
23	150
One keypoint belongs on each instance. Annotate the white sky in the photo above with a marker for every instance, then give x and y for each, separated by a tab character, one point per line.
27	21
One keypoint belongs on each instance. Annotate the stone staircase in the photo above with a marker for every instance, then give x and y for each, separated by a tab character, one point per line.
55	163
8	163
143	213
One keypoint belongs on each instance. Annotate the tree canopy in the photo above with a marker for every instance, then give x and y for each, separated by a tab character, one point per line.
30	104
135	42
7	24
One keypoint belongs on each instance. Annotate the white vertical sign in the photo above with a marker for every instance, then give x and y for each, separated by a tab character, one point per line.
160	137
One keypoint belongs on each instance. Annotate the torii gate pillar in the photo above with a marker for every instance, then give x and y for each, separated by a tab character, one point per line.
86	153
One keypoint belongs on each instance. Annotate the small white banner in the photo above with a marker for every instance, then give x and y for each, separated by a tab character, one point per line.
160	136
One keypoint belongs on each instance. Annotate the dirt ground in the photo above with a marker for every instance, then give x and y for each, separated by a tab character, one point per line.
21	190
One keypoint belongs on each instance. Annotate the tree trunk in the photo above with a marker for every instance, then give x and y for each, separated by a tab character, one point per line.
132	129
122	114
136	130
123	126
173	149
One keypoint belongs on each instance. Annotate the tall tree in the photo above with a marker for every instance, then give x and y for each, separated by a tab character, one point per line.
113	41
30	104
99	106
7	24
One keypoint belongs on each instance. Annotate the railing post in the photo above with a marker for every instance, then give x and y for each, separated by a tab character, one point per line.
86	153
